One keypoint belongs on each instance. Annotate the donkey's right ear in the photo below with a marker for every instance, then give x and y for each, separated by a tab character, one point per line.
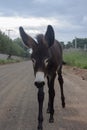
28	41
50	36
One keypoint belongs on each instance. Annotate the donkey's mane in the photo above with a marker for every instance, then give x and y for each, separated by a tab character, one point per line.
39	38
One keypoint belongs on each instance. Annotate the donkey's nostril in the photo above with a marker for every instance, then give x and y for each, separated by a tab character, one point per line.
43	83
39	84
36	83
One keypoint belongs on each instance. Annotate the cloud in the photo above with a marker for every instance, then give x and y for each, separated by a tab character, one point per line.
32	25
69	18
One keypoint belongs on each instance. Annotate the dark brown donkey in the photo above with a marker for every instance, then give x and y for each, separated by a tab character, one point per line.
47	60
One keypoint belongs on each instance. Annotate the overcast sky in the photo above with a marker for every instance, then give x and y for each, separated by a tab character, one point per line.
68	17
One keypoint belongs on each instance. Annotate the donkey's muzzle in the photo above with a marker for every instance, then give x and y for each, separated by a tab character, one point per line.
39	80
39	84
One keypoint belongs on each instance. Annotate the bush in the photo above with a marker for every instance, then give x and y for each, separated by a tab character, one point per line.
6	61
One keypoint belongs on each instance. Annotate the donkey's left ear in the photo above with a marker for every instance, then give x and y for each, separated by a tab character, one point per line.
50	36
28	40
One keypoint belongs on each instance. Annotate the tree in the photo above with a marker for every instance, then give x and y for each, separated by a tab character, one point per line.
19	42
69	45
62	44
81	42
10	47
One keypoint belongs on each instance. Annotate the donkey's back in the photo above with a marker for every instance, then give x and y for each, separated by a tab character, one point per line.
56	51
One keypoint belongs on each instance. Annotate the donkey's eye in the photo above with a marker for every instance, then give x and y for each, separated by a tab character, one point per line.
34	61
46	62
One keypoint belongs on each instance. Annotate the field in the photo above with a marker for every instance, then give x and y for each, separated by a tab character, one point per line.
76	58
7	61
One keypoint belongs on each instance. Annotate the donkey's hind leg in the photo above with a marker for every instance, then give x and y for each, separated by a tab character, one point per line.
60	79
51	97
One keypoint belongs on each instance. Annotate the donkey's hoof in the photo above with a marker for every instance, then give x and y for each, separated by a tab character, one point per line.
63	105
51	120
40	128
48	110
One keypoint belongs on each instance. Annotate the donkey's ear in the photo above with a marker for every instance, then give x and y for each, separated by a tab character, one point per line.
50	36
28	41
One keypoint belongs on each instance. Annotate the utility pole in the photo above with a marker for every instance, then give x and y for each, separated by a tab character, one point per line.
85	47
9	30
10	51
75	43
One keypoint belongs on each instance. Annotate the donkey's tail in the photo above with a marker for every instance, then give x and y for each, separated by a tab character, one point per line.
64	63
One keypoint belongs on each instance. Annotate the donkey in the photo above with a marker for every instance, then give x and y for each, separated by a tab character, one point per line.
47	62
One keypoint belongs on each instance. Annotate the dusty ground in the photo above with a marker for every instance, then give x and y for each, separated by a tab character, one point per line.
77	71
18	100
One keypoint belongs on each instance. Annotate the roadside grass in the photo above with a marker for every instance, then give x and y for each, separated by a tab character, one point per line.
8	61
76	58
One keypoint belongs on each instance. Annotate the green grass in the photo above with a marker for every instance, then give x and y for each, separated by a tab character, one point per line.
7	61
76	58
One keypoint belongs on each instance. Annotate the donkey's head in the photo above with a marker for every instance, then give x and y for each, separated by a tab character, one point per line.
40	55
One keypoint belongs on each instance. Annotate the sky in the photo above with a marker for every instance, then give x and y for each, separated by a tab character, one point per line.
68	17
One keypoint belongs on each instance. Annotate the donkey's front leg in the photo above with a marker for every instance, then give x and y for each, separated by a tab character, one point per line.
40	113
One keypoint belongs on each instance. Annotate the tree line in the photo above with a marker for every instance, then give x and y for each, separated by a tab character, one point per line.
12	47
15	47
80	43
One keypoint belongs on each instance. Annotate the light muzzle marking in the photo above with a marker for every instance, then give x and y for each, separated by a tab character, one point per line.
39	77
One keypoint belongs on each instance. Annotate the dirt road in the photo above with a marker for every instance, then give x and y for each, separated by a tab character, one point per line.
18	100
